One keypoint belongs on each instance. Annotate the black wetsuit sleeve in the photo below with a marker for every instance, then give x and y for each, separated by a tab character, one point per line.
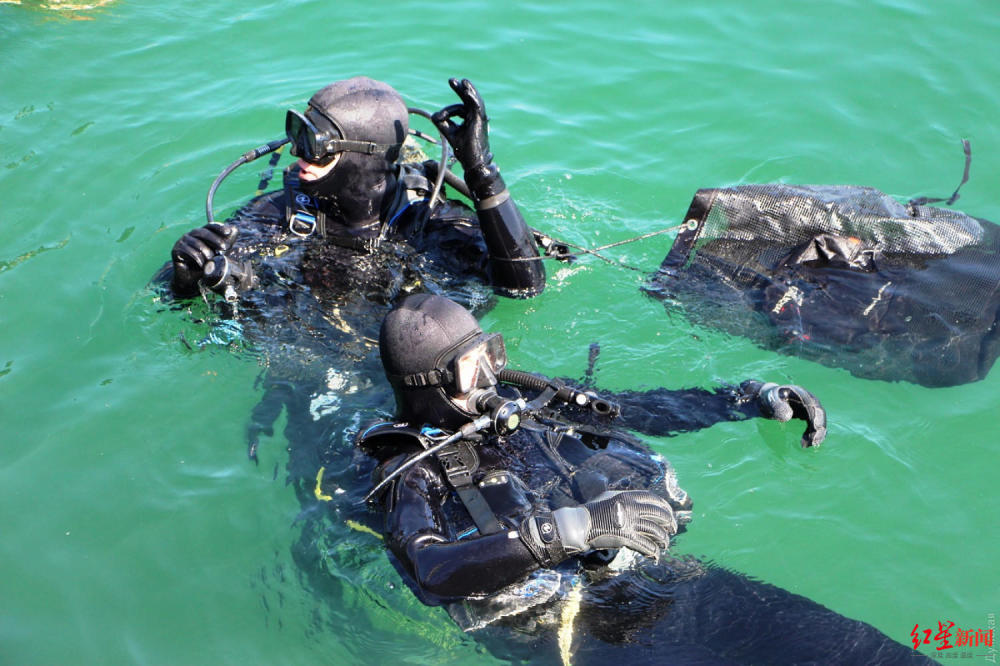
665	412
515	267
445	568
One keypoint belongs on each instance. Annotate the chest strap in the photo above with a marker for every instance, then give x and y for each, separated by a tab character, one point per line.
459	462
303	216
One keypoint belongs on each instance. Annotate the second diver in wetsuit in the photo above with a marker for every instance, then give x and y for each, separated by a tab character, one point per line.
509	498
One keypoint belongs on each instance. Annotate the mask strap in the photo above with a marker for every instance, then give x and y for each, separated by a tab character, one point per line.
363	147
421	379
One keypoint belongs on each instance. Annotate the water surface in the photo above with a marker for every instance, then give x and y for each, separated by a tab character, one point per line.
134	529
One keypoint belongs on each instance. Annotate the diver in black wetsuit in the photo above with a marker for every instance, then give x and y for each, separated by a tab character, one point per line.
347	194
524	511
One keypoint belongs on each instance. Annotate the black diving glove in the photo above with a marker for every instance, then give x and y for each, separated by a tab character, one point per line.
514	267
785	401
635	519
201	254
470	140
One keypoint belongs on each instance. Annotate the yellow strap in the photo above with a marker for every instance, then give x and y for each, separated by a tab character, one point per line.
569	611
353	524
319	487
358	527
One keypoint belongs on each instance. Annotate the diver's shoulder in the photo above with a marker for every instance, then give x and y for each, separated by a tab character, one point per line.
384	440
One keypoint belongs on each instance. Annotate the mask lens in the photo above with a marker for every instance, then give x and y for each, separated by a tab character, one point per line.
307	141
477	366
496	352
297	131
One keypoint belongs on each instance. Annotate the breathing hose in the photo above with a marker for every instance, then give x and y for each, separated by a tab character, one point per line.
504	416
567	394
465	431
442	166
248	156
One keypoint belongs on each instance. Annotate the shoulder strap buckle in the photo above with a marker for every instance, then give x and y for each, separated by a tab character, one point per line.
302	224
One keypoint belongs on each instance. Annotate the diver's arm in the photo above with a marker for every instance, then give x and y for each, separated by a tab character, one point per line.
636	519
515	267
665	412
416	532
449	569
471	567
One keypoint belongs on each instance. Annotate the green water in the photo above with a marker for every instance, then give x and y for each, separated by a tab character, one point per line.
133	528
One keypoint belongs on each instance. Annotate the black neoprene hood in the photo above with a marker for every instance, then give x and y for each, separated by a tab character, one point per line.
360	109
420	337
363	109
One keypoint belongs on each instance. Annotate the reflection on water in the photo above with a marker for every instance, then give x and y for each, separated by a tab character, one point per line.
68	7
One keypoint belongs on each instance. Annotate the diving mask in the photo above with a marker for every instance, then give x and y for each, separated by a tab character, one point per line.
315	138
477	365
309	142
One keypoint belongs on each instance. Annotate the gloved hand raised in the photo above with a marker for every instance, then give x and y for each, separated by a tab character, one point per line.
636	519
195	248
470	139
783	402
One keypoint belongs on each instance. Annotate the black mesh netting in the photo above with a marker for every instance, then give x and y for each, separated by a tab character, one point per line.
843	275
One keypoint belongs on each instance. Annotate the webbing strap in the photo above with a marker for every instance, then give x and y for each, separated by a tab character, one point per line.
477	506
460	462
923	201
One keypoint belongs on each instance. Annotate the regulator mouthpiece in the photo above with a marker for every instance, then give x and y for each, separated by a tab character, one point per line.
221	272
505	415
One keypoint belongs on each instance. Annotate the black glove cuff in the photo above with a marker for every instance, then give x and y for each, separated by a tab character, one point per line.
749	390
484	181
541	536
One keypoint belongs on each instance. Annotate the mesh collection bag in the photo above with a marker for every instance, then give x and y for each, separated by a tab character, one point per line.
846	276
